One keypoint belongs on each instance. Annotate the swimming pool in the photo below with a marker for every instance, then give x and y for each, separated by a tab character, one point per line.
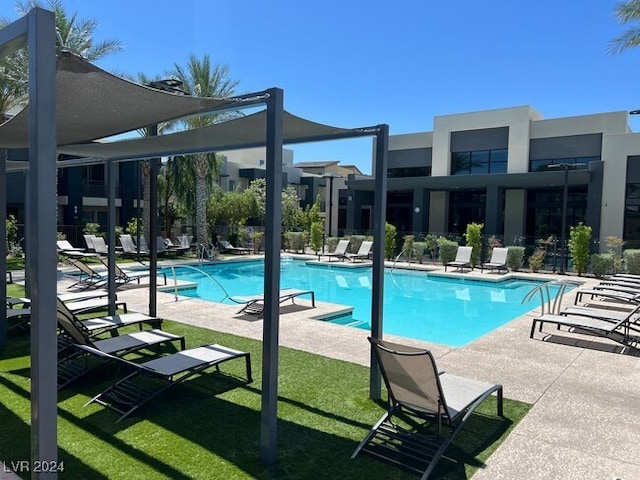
442	310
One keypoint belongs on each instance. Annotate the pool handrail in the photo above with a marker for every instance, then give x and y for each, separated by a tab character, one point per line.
200	270
554	305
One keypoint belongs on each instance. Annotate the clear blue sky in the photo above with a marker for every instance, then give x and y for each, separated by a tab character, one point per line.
353	64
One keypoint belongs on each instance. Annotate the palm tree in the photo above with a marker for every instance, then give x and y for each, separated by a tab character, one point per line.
74	35
200	78
626	12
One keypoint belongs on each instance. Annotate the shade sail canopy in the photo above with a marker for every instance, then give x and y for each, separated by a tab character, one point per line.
244	132
93	104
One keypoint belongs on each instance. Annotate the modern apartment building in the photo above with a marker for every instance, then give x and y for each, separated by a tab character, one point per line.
507	168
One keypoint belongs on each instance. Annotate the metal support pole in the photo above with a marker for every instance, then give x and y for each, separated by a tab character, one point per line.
273	241
563	232
154	167
111	234
377	284
3	245
42	256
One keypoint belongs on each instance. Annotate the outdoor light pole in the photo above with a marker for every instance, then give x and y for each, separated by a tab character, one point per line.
330	177
565	200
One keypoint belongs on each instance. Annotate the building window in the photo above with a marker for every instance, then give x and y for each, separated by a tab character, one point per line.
405	172
479	162
542	165
632	215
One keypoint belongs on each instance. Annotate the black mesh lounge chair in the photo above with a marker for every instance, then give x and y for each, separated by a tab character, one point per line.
129	247
623	331
602	293
96	326
149	379
126	275
340	251
431	400
225	247
254	305
462	260
498	260
88	277
77	363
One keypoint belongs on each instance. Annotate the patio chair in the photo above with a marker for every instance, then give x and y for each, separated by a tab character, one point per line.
77	364
226	247
66	249
88	278
622	331
254	305
126	275
96	326
129	247
151	378
498	260
339	252
172	247
609	294
462	260
427	399
363	252
88	240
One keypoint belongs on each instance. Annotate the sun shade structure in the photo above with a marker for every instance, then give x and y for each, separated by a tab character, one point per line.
73	107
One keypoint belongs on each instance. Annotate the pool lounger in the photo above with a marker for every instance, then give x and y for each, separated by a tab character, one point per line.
254	305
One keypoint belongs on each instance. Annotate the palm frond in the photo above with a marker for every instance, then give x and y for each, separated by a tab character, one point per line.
625	41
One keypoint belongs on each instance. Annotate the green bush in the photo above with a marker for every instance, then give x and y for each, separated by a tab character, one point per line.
515	257
632	260
407	246
12	230
389	240
474	240
418	251
92	229
256	238
131	228
602	264
317	231
431	245
295	241
579	240
447	250
536	260
332	243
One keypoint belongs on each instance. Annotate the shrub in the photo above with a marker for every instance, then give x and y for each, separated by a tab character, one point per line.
418	251
474	240
536	260
601	264
632	259
316	236
332	243
407	245
614	247
389	240
256	238
92	229
12	230
431	245
515	257
131	228
447	250
579	240
295	241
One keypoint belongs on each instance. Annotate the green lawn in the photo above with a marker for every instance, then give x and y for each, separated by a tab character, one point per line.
209	427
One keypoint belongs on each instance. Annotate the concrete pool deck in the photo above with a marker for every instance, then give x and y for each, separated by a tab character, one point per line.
585	419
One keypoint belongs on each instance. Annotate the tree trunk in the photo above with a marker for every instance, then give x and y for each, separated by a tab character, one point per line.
201	166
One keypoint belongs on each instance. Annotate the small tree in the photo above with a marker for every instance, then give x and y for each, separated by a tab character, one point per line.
614	247
579	240
317	229
389	240
474	239
407	246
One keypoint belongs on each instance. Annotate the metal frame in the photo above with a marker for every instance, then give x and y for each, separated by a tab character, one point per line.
37	30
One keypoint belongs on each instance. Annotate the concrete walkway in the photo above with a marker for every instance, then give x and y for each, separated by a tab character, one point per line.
585	420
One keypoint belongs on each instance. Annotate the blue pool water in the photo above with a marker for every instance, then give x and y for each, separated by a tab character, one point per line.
441	310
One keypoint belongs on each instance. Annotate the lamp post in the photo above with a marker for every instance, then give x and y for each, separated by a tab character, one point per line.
330	177
565	198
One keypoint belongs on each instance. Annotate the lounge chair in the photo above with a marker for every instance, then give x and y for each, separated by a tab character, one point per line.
126	275
362	253
129	247
226	247
498	260
149	379
76	364
88	239
99	325
172	247
88	278
623	331
418	391
254	305
603	293
339	252
462	260
68	250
